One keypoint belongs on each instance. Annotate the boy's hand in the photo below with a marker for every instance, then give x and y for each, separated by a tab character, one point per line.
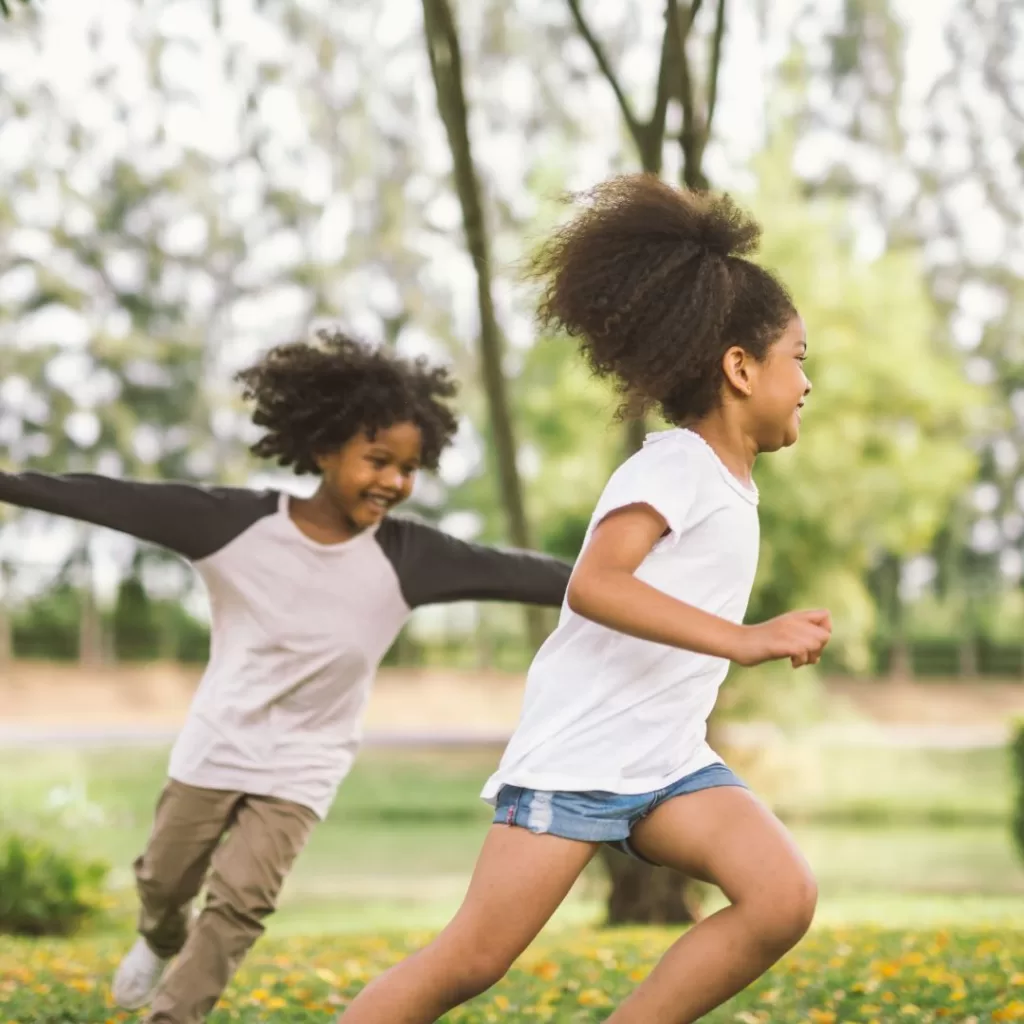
799	636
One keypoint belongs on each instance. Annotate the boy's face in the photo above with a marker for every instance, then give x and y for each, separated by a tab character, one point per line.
368	476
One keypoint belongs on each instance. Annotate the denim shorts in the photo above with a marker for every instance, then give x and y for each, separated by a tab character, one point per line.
595	816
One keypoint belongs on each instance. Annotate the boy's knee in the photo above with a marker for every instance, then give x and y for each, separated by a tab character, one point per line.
163	885
246	901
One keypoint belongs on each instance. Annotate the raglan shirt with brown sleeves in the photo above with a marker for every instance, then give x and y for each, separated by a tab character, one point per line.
298	628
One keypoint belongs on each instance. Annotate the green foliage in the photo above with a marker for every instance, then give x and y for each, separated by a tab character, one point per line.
45	890
568	416
882	455
1017	757
143	629
48	628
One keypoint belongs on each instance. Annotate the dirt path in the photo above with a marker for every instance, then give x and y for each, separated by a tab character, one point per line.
49	696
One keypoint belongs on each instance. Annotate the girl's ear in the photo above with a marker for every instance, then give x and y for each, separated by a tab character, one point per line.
736	364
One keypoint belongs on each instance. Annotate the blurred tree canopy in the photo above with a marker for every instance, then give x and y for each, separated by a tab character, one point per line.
154	239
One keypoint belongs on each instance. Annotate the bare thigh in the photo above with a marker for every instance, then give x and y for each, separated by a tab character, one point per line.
728	837
519	881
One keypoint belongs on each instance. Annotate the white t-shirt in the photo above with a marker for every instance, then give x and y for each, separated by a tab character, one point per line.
610	712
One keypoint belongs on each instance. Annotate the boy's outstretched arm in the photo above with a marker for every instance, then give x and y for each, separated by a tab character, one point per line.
433	567
192	521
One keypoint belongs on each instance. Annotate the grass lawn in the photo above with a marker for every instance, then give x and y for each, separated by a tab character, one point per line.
404	833
922	894
841	975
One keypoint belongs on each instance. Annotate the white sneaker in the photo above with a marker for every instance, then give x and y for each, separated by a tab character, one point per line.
138	976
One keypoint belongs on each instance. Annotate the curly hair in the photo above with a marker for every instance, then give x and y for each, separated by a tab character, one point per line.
313	397
653	282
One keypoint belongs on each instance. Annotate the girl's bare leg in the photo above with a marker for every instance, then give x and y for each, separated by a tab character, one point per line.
727	837
519	882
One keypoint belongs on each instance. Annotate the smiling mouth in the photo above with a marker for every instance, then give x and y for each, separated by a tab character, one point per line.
379	501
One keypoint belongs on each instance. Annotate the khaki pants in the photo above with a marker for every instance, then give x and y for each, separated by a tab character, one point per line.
261	838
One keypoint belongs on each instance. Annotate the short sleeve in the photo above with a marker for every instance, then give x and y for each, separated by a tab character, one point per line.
661	475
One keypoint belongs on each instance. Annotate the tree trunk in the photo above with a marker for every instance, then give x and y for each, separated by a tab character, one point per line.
91	646
900	662
446	67
969	657
642	893
6	630
91	641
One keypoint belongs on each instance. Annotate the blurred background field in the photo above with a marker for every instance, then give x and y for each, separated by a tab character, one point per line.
900	830
184	183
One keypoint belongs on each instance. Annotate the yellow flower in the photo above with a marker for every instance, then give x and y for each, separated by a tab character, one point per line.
546	970
822	1016
593	997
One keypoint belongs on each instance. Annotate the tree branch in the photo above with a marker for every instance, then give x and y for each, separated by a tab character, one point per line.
446	67
636	129
442	39
713	69
691	18
655	129
690	131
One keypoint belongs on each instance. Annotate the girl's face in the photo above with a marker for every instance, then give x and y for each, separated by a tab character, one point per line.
368	476
778	389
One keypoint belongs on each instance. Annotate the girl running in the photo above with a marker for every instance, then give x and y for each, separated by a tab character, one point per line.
306	597
611	748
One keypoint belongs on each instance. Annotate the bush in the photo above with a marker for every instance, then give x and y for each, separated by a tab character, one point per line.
1017	769
46	891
